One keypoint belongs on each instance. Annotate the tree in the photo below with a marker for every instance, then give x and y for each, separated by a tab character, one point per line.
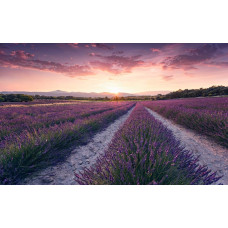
1	99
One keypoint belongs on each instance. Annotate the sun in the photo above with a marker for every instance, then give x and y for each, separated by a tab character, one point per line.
112	87
114	90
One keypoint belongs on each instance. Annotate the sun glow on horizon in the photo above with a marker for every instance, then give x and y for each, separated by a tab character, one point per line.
114	90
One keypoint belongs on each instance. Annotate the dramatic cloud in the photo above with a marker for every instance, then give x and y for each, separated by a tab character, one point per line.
167	77
105	66
21	54
219	64
123	66
3	46
193	57
89	58
102	46
155	50
92	54
2	49
74	45
22	59
117	52
223	45
116	64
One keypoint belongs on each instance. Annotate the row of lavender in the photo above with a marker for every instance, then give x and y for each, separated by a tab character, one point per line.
14	120
145	152
208	116
36	145
37	102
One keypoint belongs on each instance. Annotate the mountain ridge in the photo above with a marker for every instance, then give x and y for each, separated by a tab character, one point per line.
85	94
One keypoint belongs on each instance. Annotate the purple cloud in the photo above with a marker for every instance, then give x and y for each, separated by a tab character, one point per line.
102	46
219	64
193	57
117	52
21	54
25	60
73	45
155	50
116	64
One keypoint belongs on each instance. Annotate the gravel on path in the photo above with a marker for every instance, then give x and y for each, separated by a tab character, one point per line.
211	154
81	157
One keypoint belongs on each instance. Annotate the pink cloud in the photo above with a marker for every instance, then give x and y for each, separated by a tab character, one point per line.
117	64
167	77
218	64
74	45
20	59
102	46
21	54
193	57
155	50
105	66
114	64
92	54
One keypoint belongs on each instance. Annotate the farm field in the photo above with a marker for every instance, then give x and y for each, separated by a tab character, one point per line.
208	116
145	152
108	142
35	137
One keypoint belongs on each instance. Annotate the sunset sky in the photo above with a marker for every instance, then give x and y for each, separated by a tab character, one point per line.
117	67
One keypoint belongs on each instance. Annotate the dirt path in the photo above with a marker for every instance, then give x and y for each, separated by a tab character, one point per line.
211	154
82	157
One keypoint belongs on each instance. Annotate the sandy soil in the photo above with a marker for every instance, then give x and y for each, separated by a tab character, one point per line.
211	154
80	158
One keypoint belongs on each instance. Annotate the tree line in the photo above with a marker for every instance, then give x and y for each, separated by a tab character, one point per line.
208	92
15	98
187	93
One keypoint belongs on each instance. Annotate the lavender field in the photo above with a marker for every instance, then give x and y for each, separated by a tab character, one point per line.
208	116
35	137
41	135
145	152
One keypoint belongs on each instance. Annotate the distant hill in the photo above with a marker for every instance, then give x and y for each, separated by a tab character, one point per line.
58	93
